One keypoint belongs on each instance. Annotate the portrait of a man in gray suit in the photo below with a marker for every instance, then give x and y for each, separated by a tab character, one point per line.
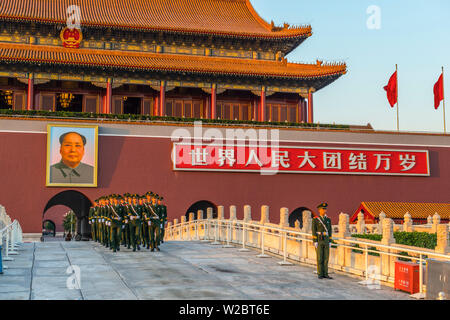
70	169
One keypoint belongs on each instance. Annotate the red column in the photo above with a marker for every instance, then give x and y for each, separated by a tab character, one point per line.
30	93
162	99
262	107
156	107
108	96
310	107
213	102
300	111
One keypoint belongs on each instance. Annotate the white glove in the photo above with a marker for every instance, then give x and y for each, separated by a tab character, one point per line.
316	245
161	225
149	223
330	245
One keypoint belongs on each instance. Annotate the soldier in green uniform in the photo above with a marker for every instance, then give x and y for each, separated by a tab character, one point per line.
101	221
163	210
116	224
92	220
134	212
159	213
124	229
322	237
153	220
145	223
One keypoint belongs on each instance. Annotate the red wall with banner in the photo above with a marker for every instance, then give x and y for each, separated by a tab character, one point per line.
139	164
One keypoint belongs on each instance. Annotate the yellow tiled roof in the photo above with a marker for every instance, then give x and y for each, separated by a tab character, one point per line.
223	17
397	210
164	62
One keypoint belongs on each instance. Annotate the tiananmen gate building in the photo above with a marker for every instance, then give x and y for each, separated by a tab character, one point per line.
140	70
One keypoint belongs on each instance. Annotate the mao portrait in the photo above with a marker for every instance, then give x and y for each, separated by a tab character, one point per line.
72	156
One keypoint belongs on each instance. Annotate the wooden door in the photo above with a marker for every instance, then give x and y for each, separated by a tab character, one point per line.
117	105
90	104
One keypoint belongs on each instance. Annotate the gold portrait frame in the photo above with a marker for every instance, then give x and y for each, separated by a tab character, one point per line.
48	183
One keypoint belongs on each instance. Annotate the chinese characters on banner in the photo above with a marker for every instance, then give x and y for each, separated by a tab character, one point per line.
284	159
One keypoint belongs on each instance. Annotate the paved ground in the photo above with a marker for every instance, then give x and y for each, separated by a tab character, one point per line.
182	270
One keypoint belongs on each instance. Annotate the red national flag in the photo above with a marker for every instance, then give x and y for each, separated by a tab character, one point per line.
439	92
391	89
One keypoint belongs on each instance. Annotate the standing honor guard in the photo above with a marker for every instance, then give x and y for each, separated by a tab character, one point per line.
163	210
322	237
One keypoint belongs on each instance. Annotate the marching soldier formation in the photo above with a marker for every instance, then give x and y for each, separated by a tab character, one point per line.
129	220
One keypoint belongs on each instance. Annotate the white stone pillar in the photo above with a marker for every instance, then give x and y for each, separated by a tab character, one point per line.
442	239
191	216
183	219
200	214
429	220
344	225
232	212
175	221
264	214
381	217
388	232
361	224
247	213
343	254
284	217
220	212
209	213
387	262
307	221
407	223
436	222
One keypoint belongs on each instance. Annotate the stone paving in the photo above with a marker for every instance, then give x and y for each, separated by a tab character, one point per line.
182	270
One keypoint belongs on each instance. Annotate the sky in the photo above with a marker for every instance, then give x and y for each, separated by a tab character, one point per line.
413	34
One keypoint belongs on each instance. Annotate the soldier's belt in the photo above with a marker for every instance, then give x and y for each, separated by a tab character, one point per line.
323	233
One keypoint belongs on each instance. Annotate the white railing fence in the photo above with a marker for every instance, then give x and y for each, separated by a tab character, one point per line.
10	241
373	260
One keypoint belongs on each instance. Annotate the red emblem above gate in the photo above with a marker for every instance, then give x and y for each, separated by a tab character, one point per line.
71	38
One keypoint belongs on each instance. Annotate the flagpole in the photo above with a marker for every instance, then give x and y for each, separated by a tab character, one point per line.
443	100
398	121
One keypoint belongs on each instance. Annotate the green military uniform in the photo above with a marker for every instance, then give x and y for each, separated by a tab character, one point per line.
107	214
116	214
322	237
145	226
134	213
164	220
154	227
92	221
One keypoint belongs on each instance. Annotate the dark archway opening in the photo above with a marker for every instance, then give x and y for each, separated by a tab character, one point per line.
297	214
132	105
80	205
201	205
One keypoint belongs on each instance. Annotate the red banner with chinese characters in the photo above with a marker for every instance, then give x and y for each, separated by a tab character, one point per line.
286	159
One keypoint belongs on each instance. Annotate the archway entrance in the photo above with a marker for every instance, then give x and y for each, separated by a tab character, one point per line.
80	205
201	205
297	215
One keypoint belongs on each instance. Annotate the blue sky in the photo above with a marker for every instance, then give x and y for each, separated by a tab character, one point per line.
414	34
